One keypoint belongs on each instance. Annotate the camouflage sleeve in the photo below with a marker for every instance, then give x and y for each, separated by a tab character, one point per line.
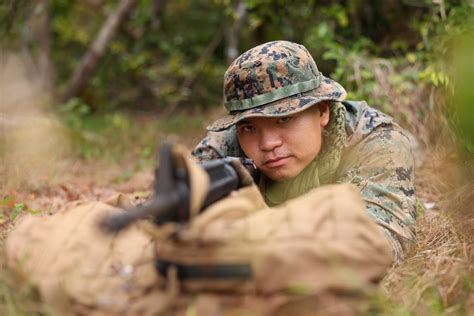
382	167
218	145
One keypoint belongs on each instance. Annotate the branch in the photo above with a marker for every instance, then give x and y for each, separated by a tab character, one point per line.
91	59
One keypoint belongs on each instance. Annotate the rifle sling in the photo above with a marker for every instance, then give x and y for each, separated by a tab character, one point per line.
208	271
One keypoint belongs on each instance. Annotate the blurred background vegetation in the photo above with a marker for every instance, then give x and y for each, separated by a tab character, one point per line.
156	58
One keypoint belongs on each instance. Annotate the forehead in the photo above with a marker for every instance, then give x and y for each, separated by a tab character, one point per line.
264	119
261	120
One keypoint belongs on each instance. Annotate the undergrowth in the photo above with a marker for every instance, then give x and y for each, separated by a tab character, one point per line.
117	136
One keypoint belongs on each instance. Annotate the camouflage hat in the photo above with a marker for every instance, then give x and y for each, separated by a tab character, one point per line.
274	79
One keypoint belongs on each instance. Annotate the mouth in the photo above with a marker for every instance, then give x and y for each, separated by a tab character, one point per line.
276	162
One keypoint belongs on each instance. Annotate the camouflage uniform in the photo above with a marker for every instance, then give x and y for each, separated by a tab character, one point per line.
376	157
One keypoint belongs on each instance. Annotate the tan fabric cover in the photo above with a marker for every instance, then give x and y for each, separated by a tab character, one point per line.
71	261
321	240
315	243
198	178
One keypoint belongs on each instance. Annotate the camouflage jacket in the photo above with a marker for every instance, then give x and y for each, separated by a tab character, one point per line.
377	158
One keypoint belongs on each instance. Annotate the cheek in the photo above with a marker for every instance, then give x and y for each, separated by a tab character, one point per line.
249	146
307	142
316	137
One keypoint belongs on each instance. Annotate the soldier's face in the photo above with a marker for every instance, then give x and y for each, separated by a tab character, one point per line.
282	147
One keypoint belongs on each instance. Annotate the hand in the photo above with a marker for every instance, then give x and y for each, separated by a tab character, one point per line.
245	177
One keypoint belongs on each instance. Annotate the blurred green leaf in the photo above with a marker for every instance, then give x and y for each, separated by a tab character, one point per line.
17	209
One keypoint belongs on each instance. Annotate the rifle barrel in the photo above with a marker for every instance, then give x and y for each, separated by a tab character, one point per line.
160	207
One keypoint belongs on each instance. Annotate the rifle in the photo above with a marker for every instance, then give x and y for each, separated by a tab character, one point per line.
170	201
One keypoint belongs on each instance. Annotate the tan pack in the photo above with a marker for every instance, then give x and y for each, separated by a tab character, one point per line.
323	240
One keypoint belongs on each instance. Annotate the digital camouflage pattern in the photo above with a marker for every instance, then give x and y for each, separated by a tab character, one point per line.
280	75
377	158
281	78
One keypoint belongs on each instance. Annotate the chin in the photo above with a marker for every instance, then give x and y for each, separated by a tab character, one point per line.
279	176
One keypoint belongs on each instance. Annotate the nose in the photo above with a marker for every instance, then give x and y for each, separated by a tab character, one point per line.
269	140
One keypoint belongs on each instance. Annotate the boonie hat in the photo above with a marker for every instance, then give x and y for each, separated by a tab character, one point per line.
274	79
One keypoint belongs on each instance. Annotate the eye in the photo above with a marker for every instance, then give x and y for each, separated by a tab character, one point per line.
246	128
283	120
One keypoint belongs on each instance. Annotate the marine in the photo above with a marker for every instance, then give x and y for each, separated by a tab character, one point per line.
360	145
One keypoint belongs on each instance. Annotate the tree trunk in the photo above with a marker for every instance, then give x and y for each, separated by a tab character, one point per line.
232	49
91	59
44	37
157	8
354	7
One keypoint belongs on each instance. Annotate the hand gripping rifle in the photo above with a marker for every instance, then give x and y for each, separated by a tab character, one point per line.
170	201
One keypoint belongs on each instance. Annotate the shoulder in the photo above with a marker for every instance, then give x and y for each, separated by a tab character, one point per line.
372	133
362	120
218	145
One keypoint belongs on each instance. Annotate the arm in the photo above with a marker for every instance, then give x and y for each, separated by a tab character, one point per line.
382	167
218	145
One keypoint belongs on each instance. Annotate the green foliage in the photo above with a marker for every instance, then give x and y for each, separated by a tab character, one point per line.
17	209
12	14
447	48
463	117
11	208
438	38
299	289
118	136
12	296
156	52
74	112
148	64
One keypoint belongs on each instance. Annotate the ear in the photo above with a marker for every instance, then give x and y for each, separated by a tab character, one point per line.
324	113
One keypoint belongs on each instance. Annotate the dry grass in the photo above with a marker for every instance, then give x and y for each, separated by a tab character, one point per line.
439	277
